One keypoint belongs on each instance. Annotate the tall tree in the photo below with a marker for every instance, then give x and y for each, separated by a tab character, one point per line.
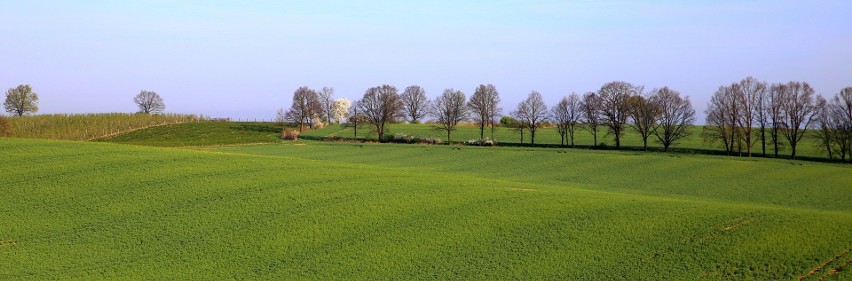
21	100
484	106
762	117
381	105
643	116
748	97
825	126
676	116
149	102
590	107
841	113
774	111
567	114
798	111
531	112
305	108
615	107
721	118
415	102
449	109
326	99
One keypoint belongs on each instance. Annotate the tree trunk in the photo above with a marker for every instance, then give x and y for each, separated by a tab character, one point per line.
572	140
792	151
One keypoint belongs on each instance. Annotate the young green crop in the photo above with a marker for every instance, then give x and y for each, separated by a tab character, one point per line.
89	126
343	211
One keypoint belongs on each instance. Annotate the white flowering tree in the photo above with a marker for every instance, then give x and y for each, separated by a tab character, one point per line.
340	109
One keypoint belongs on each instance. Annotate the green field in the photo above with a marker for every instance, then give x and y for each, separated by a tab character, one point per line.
90	126
320	210
201	134
549	137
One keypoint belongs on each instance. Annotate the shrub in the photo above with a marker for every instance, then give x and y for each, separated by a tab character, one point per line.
485	142
289	134
426	140
5	128
405	138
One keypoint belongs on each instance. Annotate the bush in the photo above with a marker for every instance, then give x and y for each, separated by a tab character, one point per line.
485	142
5	128
405	138
288	134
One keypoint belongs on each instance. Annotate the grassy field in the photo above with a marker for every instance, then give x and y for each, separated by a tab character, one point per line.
89	126
201	134
320	210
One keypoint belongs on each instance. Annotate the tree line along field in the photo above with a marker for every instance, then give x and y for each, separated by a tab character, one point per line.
319	210
549	137
212	133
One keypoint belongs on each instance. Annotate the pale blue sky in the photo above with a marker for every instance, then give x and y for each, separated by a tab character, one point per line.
244	59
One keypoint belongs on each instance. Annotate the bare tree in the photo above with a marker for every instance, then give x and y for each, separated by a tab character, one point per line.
494	109
326	99
149	102
356	120
643	116
416	103
281	117
826	128
484	105
841	113
567	115
798	111
762	116
748	100
305	107
514	122
21	100
381	105
590	107
614	106
676	116
531	112
774	111
721	118
449	109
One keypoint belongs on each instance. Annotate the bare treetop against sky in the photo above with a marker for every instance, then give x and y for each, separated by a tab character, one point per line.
244	60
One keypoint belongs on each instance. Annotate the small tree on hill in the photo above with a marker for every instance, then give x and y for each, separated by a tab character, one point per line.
305	107
326	99
590	107
531	113
566	114
449	109
21	100
381	105
415	103
484	105
149	102
675	117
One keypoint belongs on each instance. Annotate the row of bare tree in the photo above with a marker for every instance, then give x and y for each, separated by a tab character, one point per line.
663	113
750	111
382	104
738	116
